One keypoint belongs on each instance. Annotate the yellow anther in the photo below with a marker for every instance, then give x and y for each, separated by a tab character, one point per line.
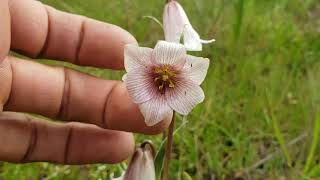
157	78
161	86
165	77
158	70
171	84
171	74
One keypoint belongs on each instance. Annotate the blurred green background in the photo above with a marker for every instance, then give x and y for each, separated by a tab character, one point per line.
260	119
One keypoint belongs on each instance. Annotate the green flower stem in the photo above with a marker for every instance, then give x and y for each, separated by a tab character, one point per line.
165	174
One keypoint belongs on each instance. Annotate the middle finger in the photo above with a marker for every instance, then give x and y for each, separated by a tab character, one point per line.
58	92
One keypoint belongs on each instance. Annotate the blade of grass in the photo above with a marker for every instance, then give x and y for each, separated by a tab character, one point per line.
314	144
314	172
280	139
239	6
277	132
271	156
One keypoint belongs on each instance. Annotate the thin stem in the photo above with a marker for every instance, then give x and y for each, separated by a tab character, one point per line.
314	144
168	150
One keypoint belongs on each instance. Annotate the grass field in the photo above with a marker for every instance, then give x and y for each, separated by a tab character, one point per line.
261	116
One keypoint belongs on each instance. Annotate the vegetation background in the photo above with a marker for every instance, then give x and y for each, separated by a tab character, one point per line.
260	119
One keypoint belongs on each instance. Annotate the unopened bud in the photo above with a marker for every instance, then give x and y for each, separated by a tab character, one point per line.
141	166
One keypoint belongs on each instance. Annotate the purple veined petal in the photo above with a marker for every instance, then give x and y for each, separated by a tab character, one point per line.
155	110
185	96
136	57
140	85
196	68
169	53
173	21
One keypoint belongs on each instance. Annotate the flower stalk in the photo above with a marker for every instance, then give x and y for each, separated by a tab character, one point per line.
168	149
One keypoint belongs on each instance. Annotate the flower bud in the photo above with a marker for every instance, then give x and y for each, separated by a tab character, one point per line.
141	166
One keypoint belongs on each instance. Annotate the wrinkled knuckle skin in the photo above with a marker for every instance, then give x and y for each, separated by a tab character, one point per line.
5	82
16	139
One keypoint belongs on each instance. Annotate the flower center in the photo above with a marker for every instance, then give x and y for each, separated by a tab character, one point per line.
164	77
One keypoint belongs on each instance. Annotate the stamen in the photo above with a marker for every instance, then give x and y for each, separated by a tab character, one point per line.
157	78
171	84
161	86
164	77
158	70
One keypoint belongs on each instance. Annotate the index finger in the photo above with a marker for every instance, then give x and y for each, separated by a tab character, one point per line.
4	29
42	31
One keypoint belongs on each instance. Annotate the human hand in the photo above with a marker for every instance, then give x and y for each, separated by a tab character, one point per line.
37	30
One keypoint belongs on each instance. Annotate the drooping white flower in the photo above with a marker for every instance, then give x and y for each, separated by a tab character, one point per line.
164	79
177	24
141	166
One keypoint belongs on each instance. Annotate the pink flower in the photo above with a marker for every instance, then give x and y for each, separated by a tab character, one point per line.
164	79
177	24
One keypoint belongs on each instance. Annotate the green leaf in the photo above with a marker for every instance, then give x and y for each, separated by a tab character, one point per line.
315	171
159	161
186	176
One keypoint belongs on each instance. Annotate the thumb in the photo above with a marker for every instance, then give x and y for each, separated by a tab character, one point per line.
4	29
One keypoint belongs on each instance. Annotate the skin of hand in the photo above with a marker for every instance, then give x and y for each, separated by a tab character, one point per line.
98	115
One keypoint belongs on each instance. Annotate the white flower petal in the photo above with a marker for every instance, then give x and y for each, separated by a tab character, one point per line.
155	110
183	14
191	39
140	85
169	53
176	24
136	57
173	21
149	169
207	41
196	68
185	96
141	166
